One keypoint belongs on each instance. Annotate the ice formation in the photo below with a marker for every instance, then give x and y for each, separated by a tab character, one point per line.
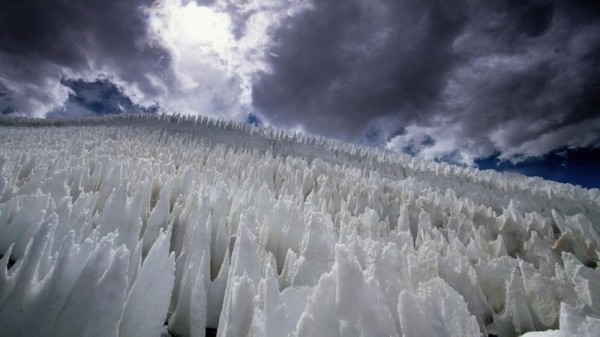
137	226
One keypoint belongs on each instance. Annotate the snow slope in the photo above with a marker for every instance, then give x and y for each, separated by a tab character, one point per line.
118	225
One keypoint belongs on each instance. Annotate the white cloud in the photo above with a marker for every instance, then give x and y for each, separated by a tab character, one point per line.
212	67
435	142
448	141
572	136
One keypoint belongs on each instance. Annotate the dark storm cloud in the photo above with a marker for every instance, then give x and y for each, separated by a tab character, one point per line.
43	42
344	65
531	70
508	76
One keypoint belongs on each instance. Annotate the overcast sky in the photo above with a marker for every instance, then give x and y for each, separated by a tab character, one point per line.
462	81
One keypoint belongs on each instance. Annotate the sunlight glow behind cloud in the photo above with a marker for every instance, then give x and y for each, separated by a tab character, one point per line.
200	44
190	26
212	65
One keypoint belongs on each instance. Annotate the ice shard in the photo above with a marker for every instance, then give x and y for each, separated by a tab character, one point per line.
150	225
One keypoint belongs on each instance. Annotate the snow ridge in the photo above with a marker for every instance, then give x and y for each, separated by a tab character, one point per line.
118	225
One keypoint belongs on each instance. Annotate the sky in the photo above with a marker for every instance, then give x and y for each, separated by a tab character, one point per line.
511	85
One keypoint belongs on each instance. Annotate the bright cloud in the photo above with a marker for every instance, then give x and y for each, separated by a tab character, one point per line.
213	67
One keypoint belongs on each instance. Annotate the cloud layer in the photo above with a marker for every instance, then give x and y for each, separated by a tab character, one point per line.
454	81
518	77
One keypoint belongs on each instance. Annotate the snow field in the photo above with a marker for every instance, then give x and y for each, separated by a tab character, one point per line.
115	230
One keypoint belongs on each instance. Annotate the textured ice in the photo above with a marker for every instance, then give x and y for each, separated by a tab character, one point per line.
133	226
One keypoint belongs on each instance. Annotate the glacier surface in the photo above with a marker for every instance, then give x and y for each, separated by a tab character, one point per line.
142	226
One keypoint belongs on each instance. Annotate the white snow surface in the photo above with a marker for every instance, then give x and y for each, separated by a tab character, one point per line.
132	226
